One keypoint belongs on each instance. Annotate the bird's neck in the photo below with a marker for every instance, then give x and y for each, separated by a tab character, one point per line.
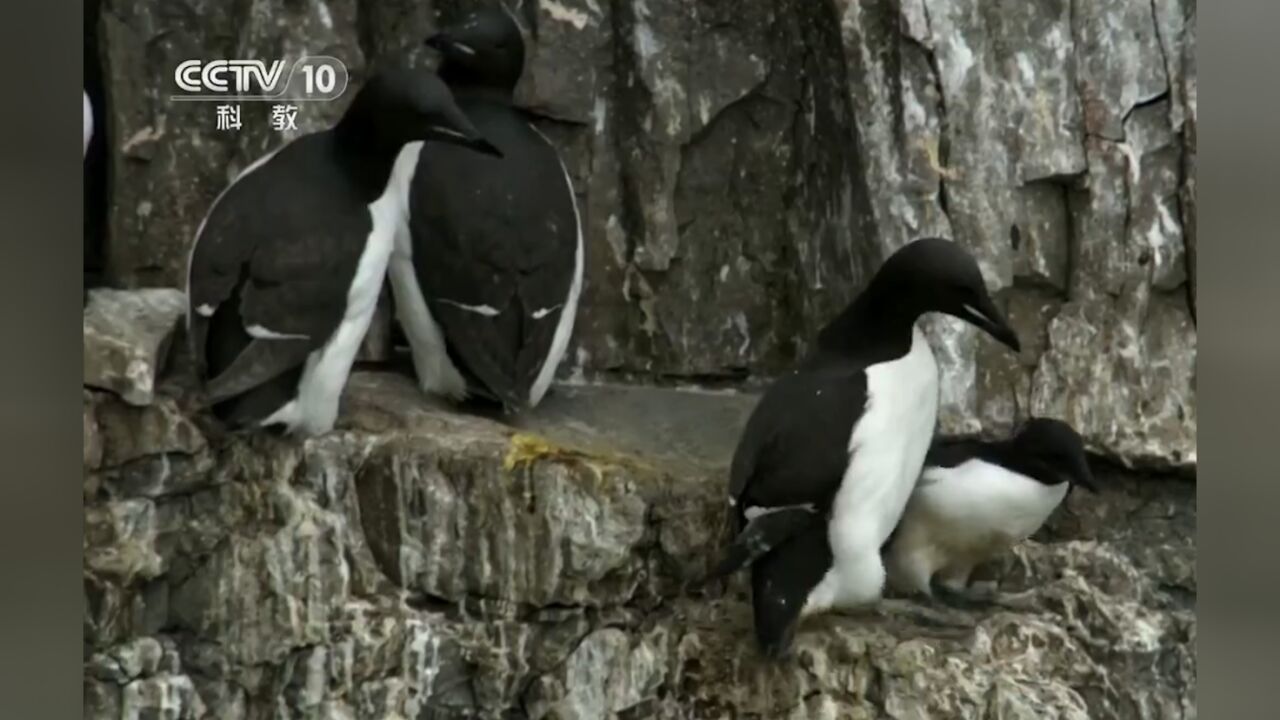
469	84
877	326
364	153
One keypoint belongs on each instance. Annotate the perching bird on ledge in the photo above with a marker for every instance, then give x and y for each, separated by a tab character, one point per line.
831	453
487	278
976	499
287	266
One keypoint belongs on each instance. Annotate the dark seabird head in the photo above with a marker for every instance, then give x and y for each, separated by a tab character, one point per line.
403	105
483	49
1052	452
927	275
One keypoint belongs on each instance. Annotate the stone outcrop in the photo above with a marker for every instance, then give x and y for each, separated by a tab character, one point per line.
743	165
127	339
423	563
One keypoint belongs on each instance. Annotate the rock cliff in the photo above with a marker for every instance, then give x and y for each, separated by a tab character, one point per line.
423	563
742	165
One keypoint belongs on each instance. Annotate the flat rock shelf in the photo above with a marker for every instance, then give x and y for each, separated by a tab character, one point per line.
424	563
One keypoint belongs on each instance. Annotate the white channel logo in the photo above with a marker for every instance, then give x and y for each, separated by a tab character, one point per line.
312	78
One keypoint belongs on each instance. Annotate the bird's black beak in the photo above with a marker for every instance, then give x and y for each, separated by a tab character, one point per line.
986	316
449	45
1083	476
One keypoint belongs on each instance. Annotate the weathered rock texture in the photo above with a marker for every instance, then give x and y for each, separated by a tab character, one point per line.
420	563
127	339
743	165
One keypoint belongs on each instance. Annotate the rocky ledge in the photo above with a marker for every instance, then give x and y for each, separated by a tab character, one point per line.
424	563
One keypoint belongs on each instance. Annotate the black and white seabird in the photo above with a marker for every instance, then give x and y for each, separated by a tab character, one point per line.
487	279
88	123
976	499
832	451
96	153
288	264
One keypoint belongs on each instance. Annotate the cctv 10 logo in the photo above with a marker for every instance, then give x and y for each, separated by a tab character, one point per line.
312	78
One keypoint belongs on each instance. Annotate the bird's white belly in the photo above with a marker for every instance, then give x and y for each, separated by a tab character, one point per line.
959	517
437	374
977	498
315	407
888	447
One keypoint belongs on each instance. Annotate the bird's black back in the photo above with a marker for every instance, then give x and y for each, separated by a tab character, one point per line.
500	232
794	448
279	249
1039	455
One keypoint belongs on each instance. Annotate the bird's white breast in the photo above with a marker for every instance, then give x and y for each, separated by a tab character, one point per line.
887	449
315	409
436	372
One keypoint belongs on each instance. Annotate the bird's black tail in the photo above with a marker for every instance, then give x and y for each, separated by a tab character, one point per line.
761	535
781	582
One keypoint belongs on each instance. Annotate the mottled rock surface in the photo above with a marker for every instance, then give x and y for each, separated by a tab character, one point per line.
127	337
421	563
743	165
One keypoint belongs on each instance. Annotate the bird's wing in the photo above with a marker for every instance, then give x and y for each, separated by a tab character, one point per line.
795	447
223	246
790	461
761	535
217	267
950	452
289	291
494	251
549	276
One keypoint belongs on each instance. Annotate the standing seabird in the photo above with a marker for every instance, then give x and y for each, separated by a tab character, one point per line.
88	123
287	266
976	499
89	225
487	279
832	451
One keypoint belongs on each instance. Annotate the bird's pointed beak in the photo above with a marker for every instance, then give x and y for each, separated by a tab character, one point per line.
1083	475
986	316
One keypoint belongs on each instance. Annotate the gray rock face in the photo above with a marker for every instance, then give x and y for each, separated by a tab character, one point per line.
1048	137
127	337
424	563
742	167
